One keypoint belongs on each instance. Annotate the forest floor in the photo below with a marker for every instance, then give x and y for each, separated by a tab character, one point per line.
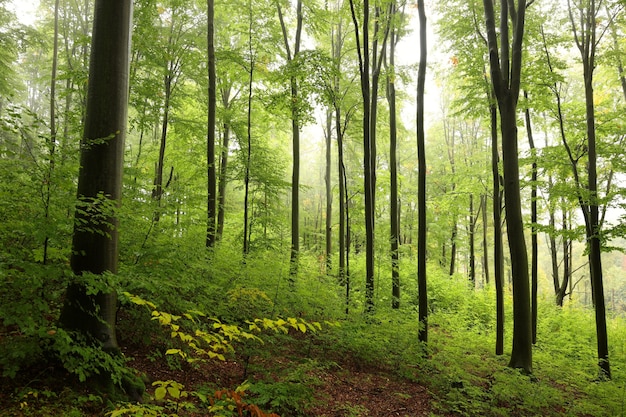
343	389
332	388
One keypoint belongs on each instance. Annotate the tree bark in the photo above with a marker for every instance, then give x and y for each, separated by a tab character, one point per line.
533	221
47	192
211	174
95	239
246	204
483	205
585	38
328	226
295	132
221	191
505	67
498	251
393	172
421	181
472	251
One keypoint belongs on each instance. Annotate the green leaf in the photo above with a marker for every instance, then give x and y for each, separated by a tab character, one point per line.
159	393
174	392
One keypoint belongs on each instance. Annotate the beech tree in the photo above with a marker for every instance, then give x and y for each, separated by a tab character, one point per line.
295	132
583	18
421	182
505	69
212	98
370	61
90	304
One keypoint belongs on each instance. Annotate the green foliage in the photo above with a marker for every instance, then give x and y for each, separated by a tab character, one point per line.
85	360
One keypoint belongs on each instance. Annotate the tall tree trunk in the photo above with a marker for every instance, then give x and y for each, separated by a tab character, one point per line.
47	192
560	289
295	132
533	221
95	240
211	176
453	236
246	198
369	88
328	227
483	205
221	209
421	180
168	85
505	76
585	37
498	250
472	252
393	172
363	52
450	138
567	271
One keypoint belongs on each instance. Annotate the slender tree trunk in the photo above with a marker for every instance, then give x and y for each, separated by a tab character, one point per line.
328	227
157	191
498	251
295	131
47	192
566	284
585	37
451	151
393	171
221	210
533	221
453	236
95	240
421	180
472	250
364	70
483	204
211	175
168	81
246	205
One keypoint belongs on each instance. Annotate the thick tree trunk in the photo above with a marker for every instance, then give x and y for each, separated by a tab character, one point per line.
505	64
94	245
521	355
594	230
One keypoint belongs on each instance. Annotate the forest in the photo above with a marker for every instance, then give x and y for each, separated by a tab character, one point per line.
330	208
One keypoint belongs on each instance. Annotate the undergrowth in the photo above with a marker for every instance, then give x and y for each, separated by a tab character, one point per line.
208	309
